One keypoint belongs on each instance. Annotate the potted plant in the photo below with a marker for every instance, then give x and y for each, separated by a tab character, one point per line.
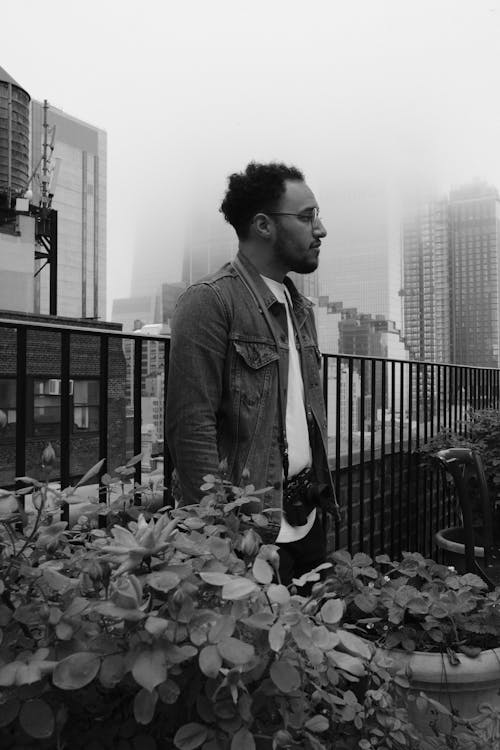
176	632
481	434
439	628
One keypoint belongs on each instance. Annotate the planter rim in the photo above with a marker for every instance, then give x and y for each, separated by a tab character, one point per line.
457	548
435	668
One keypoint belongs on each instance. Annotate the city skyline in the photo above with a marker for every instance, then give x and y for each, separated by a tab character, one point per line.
371	89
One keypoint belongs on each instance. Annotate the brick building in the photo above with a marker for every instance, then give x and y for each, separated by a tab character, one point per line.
42	384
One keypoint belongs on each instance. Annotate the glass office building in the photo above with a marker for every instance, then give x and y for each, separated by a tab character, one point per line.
78	181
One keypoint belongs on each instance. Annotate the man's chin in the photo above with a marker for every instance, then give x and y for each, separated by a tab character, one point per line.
307	267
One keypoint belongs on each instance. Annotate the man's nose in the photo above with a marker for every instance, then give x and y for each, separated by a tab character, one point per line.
319	229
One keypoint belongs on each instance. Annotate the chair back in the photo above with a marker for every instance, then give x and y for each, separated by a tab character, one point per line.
461	463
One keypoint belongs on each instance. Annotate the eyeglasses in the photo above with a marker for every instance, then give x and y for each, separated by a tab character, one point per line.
311	216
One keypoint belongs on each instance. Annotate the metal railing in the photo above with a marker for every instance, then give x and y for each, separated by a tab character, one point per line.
379	413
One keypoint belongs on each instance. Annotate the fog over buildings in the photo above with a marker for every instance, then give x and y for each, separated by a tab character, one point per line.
377	97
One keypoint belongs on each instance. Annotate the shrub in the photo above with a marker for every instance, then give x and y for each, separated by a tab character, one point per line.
176	632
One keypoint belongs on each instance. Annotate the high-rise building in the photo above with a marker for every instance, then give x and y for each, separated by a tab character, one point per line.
360	261
426	282
475	274
210	243
17	230
78	183
306	283
452	276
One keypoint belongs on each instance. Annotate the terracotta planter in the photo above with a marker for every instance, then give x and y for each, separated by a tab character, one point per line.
450	541
465	689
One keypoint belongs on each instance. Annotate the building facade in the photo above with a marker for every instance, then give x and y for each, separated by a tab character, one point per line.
78	184
426	282
451	251
475	274
360	261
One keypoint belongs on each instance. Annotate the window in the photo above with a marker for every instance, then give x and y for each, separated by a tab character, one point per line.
7	405
86	405
46	406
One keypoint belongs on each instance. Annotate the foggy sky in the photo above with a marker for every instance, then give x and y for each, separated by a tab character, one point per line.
376	90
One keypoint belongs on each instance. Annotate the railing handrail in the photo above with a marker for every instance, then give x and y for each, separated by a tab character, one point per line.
11	323
427	363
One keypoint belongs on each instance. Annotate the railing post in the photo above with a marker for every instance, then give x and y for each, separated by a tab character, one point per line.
65	418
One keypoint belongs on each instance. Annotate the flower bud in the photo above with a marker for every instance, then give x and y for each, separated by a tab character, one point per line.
250	543
282	738
269	552
179	597
125	593
245	474
223	467
48	456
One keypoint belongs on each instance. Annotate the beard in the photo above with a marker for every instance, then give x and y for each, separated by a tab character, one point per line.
290	253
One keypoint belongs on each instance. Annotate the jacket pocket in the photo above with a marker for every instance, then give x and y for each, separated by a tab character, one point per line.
252	369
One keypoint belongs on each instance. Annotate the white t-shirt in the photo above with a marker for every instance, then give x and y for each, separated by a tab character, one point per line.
297	433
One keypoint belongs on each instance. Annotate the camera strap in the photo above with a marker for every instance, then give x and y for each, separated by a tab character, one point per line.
282	376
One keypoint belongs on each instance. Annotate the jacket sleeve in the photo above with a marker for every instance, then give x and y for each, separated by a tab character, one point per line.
196	370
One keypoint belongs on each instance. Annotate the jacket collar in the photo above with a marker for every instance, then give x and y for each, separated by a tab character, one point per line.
300	303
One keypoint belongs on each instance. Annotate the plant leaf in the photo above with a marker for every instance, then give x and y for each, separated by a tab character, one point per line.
169	691
210	661
150	668
10	710
37	718
190	736
144	706
285	676
216	579
348	663
221	629
278	593
163	580
235	651
243	740
277	636
76	670
238	588
113	669
354	645
332	611
260	620
134	460
262	571
317	723
91	473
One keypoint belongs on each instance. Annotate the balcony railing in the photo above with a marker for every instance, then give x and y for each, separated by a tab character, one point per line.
93	393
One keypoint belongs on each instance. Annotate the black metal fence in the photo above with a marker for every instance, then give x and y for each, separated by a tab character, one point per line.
93	393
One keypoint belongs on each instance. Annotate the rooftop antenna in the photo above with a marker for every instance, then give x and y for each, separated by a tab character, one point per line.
45	216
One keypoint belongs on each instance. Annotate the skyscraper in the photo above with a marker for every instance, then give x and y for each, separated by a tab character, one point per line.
78	165
210	243
360	261
475	274
426	282
452	277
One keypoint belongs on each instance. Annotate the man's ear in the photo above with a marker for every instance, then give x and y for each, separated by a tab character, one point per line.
262	226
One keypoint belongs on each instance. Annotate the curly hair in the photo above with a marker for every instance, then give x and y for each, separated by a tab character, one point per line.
258	188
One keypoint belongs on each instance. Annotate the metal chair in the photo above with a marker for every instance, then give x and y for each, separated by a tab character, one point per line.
462	464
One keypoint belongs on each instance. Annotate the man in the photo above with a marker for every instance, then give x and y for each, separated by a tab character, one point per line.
244	379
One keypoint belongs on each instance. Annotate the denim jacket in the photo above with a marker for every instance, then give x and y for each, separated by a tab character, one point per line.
223	398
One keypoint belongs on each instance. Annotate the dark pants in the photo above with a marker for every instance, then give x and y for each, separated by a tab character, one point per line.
297	558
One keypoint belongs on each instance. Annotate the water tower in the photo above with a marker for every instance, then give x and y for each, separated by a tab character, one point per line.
14	139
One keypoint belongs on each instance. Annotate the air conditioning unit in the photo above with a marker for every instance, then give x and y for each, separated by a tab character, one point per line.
53	387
